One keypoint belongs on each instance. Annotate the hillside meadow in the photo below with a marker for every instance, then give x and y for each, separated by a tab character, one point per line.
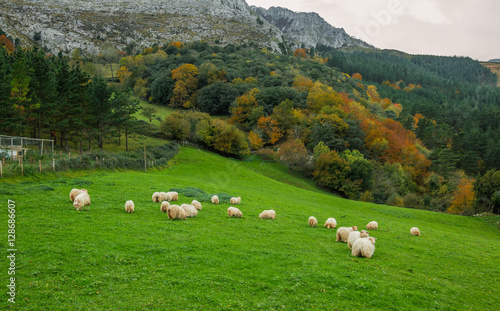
106	259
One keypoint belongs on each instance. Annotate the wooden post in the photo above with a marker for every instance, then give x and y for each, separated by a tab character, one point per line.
22	168
53	164
69	155
40	162
1	169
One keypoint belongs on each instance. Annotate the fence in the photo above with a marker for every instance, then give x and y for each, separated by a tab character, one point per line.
33	163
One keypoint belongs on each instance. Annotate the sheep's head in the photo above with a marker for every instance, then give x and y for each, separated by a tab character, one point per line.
364	234
372	240
354	228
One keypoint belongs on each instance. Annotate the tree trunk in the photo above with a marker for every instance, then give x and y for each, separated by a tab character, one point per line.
66	147
119	136
126	136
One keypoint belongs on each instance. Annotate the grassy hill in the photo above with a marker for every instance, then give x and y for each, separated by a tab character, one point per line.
107	259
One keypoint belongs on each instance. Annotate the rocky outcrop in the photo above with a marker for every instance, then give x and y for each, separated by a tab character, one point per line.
94	26
307	29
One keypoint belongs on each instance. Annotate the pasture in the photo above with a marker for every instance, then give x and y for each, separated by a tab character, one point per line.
107	259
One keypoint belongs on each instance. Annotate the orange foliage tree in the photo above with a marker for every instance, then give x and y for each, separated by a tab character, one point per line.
272	133
177	44
321	95
244	106
186	83
463	198
302	84
300	53
255	141
357	76
6	43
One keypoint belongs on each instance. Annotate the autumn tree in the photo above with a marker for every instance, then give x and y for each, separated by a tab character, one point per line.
294	154
463	198
302	84
300	53
255	140
331	170
270	129
244	105
186	83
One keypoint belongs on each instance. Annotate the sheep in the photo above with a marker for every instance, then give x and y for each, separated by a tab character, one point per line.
354	235
176	212
164	206
82	200
343	233
313	222
157	197
74	192
363	247
163	196
235	200
129	206
415	231
215	199
330	223
234	212
268	214
372	225
173	196
191	211
196	204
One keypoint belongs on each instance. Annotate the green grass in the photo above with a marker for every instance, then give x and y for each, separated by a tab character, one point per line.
162	111
107	259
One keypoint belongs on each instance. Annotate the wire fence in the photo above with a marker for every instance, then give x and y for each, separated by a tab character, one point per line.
32	162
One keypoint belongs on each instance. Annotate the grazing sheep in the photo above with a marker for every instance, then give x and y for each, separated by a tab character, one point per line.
268	214
343	233
173	196
129	207
372	225
81	200
196	204
415	231
234	212
330	223
176	212
354	235
157	197
164	206
363	247
235	200
215	199
163	196
313	222
74	193
191	211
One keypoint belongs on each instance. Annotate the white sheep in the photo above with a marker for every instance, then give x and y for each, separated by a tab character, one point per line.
176	212
234	212
81	200
330	223
313	222
74	193
235	200
196	204
173	196
343	233
372	225
157	197
164	206
215	199
129	206
363	247
415	231
268	214
191	211
354	235
163	196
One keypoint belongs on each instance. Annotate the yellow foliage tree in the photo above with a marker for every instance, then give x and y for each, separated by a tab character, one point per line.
463	198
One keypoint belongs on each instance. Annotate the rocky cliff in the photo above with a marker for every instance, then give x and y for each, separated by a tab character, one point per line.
94	26
308	29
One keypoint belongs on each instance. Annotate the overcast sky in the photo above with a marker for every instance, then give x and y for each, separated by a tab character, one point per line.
445	27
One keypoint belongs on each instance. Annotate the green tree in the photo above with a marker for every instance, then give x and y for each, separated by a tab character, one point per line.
124	108
331	170
149	113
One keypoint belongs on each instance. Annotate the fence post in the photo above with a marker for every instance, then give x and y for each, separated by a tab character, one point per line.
53	164
40	162
1	169
22	168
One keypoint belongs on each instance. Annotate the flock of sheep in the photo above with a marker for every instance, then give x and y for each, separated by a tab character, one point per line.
360	243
